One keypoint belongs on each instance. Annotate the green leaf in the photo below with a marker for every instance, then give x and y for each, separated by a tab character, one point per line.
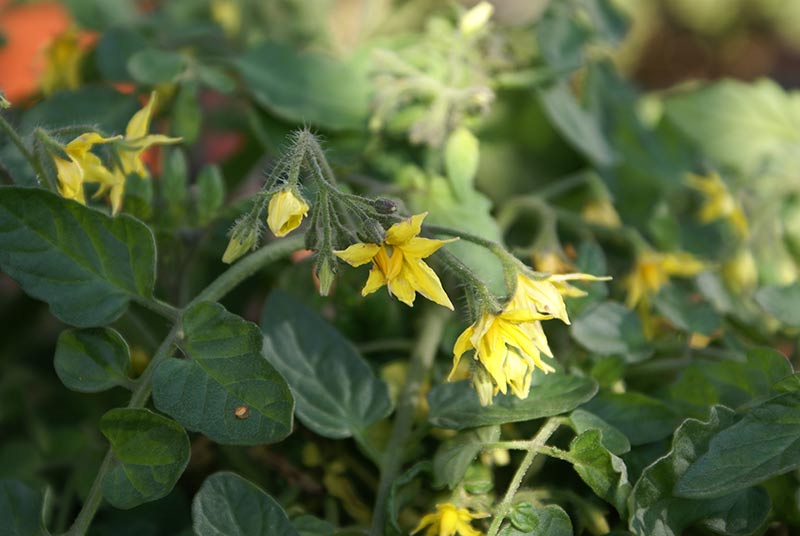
404	489
20	510
105	107
86	265
152	66
642	419
763	444
453	457
456	405
781	302
739	124
308	525
289	84
461	154
151	450
224	371
215	78
550	520
210	194
678	306
92	360
114	49
229	505
608	20
605	473
578	126
174	185
561	38
337	393
656	511
614	440
523	516
610	328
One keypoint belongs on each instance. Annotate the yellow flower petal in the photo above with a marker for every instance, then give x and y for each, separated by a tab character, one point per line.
139	124
463	344
358	254
402	289
70	180
426	282
404	231
285	212
375	281
422	247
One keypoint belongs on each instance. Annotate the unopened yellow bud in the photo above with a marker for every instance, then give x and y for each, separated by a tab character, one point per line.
740	272
326	276
243	238
285	212
476	18
483	386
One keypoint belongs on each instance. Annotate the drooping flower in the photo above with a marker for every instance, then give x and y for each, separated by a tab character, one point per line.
137	140
398	263
285	212
509	346
449	520
719	203
83	167
544	294
653	270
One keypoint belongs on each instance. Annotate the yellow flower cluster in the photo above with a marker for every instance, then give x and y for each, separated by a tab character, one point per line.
509	345
719	203
653	270
85	167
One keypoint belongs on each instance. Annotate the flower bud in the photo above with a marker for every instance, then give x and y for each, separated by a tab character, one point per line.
483	385
384	206
373	232
326	273
4	102
476	18
243	238
740	273
285	212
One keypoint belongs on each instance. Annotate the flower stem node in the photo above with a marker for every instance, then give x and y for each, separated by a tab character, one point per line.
286	212
398	263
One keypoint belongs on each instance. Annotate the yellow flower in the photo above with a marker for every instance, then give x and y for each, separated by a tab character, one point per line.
62	63
719	204
228	14
601	212
137	140
398	264
509	346
84	166
544	294
449	520
652	271
285	213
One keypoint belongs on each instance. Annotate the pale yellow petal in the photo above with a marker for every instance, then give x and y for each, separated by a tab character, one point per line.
139	124
682	264
402	232
358	254
375	281
422	247
285	212
430	519
70	179
139	144
463	344
402	289
426	282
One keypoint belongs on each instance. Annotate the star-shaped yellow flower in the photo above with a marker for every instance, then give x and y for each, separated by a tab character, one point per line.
398	263
285	212
449	520
652	271
509	346
84	166
544	294
137	140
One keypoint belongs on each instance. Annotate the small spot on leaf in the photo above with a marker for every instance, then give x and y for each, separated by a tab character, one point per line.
241	412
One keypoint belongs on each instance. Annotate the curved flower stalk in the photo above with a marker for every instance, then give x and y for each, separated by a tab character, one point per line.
398	263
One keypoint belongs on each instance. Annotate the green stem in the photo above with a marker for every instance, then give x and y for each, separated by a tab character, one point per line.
539	440
20	145
433	322
248	266
159	307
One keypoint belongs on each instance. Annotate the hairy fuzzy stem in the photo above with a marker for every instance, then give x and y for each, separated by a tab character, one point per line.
535	445
433	322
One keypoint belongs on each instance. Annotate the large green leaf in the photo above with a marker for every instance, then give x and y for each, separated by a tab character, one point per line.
679	307
763	444
614	440
153	66
642	419
739	124
610	328
456	405
307	87
781	302
656	511
453	457
92	360
225	389
605	473
229	505
20	510
336	391
86	265
151	450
